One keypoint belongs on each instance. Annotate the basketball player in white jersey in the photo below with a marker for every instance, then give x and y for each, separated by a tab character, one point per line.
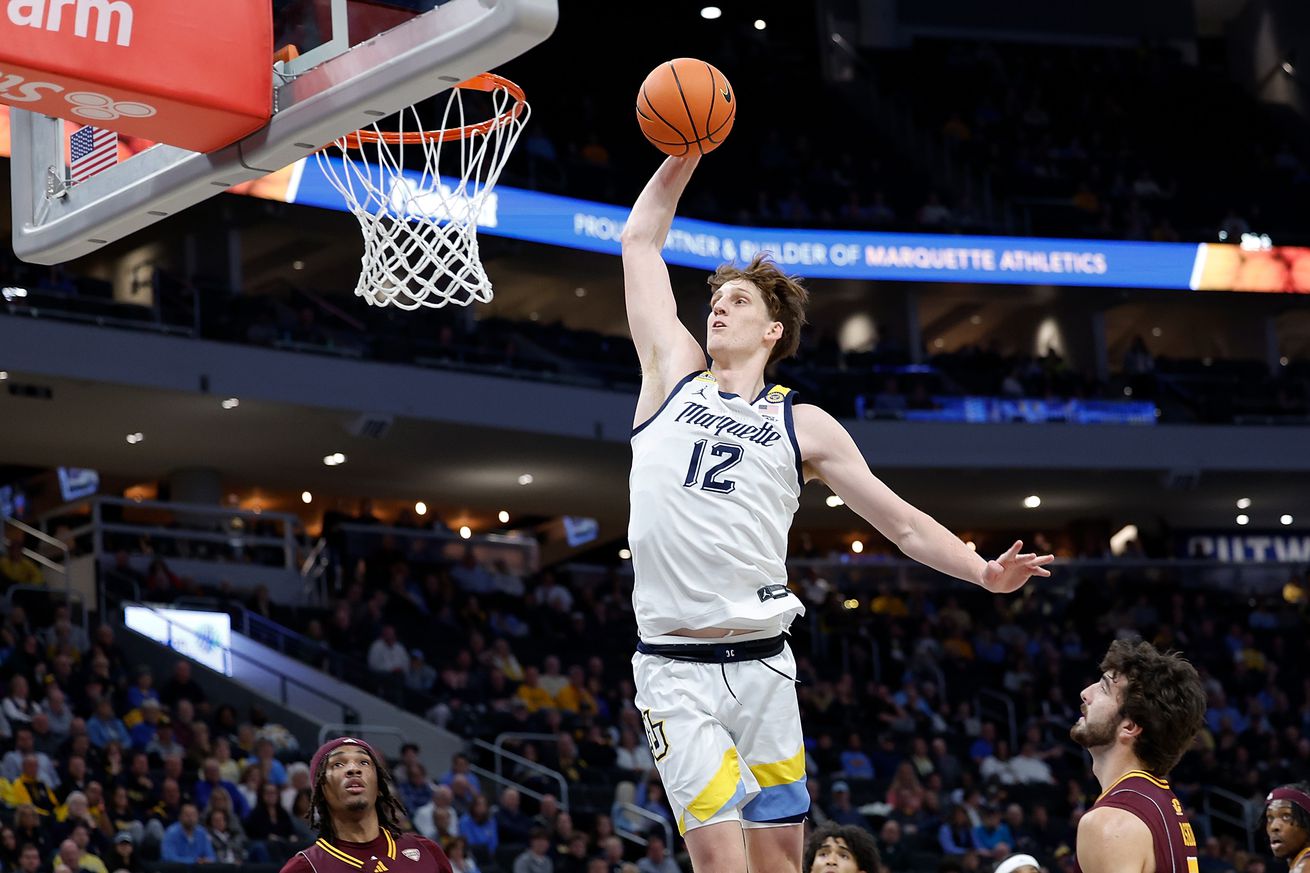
718	460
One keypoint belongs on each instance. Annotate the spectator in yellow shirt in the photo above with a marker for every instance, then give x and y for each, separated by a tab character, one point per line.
574	696
18	569
531	692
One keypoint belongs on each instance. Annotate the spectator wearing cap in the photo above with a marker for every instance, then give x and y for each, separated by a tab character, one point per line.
165	744
993	838
840	809
143	732
419	675
185	842
11	766
124	856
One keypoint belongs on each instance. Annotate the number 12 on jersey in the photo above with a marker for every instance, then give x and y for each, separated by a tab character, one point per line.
731	454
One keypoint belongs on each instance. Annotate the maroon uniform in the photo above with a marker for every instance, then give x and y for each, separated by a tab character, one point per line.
407	853
1151	800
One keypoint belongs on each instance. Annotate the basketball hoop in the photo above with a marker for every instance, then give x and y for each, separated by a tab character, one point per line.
420	228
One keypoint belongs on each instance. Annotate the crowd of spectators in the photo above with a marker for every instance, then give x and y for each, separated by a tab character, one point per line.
105	768
936	717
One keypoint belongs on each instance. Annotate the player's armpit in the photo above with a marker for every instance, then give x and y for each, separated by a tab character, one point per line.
1114	841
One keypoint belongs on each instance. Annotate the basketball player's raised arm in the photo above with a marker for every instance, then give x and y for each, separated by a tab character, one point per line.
666	349
829	454
1113	841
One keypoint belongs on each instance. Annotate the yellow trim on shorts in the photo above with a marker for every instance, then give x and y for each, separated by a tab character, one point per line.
781	772
718	791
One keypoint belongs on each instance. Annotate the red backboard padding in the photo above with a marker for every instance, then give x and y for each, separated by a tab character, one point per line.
194	75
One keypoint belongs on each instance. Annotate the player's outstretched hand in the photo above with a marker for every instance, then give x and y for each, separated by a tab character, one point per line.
1010	571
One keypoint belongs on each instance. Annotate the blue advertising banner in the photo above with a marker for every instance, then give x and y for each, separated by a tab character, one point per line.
836	254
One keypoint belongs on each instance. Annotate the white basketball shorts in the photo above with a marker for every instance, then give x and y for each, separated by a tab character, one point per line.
726	737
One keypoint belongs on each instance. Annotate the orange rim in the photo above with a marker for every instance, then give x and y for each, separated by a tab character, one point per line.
481	82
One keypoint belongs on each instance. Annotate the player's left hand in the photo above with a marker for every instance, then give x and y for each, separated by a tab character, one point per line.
1010	571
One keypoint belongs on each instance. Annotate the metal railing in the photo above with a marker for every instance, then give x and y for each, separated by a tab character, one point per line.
219	529
345	729
58	545
639	812
501	754
1232	809
285	682
1006	706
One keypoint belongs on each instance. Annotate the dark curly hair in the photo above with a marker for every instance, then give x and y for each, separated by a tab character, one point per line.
1162	693
857	839
390	810
1300	817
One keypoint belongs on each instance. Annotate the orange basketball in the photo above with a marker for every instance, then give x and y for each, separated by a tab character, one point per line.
686	104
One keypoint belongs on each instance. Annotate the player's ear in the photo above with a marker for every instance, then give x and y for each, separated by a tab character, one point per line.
775	331
1130	728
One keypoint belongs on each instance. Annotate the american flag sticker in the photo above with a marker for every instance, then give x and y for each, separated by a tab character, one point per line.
91	150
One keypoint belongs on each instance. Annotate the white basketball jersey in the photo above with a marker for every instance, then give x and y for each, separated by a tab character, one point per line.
715	481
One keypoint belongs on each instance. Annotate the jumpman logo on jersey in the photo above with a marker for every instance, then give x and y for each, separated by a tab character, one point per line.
701	391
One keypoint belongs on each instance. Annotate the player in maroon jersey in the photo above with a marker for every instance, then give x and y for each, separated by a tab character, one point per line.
1287	822
356	813
1138	720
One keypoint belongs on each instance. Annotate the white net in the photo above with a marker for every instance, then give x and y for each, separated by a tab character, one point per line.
421	224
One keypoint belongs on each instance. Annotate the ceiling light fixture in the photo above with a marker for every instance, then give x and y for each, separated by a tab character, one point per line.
1286	519
525	479
306	497
465	532
134	438
503	516
421	508
1243	519
625	554
834	501
334	459
1243	503
1032	501
230	403
857	547
760	24
709	13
